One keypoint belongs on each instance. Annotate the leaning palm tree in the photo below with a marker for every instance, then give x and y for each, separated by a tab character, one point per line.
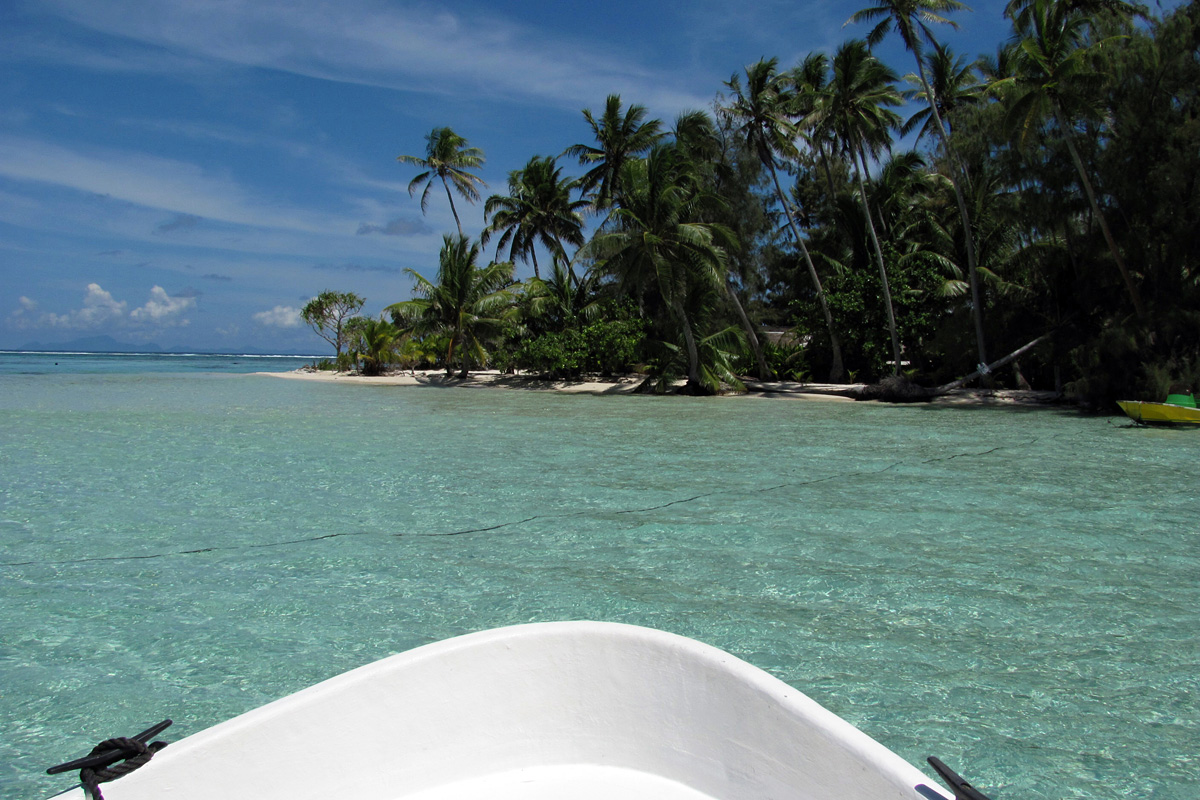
655	249
911	19
468	305
619	138
448	158
1054	80
762	110
807	83
697	141
856	108
538	209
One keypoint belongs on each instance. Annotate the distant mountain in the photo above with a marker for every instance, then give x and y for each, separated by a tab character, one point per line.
246	350
94	344
107	344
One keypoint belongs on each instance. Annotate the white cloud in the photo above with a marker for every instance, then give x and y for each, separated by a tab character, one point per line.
99	308
162	309
279	317
23	317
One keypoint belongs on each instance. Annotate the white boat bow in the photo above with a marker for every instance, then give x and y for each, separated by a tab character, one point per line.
575	710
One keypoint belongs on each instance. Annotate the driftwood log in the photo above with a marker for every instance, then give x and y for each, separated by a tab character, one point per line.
995	365
899	389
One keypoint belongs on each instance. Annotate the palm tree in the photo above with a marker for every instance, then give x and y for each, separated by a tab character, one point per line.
448	158
562	300
619	137
468	304
762	109
911	19
807	83
856	108
1021	11
898	186
374	343
655	248
537	209
718	353
697	140
909	200
1052	79
954	86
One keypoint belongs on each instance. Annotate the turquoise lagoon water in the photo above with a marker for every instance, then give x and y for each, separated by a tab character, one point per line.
1014	591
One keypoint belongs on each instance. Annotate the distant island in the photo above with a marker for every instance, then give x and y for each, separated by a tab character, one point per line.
107	344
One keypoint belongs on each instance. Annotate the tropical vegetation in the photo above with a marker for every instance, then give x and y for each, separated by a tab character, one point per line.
837	220
328	313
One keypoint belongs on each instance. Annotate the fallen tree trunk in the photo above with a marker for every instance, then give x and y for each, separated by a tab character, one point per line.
961	382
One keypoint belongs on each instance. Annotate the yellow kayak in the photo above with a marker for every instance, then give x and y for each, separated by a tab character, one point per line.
1160	413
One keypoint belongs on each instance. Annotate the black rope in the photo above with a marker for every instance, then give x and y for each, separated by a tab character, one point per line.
135	754
526	520
114	758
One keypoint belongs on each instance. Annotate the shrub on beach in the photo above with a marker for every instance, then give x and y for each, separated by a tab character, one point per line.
606	347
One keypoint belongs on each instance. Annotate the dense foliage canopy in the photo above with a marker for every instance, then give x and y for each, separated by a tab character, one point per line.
835	219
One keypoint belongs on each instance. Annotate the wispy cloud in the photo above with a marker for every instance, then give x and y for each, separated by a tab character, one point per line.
177	223
189	191
279	317
24	316
408	46
351	267
396	227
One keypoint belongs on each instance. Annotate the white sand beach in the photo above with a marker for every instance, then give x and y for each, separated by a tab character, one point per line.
628	384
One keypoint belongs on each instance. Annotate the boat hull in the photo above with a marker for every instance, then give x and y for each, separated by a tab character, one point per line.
572	709
1160	413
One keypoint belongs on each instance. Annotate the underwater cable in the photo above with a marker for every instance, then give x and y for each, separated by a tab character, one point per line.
510	523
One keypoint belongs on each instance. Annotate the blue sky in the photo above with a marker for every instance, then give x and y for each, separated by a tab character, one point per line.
191	172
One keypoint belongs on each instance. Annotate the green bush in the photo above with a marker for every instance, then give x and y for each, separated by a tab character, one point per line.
788	361
614	345
606	347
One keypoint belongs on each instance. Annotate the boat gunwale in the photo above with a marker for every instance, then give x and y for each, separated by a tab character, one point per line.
790	702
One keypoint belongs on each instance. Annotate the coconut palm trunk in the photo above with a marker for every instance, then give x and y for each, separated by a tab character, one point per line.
958	177
764	372
1134	295
763	110
837	370
860	168
533	258
453	210
693	352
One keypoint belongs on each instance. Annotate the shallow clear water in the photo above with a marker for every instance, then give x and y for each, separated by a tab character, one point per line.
1014	591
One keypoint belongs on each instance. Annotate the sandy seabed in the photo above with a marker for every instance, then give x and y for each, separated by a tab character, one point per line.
628	384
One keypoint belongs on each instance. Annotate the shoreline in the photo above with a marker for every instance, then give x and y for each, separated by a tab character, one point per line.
625	385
